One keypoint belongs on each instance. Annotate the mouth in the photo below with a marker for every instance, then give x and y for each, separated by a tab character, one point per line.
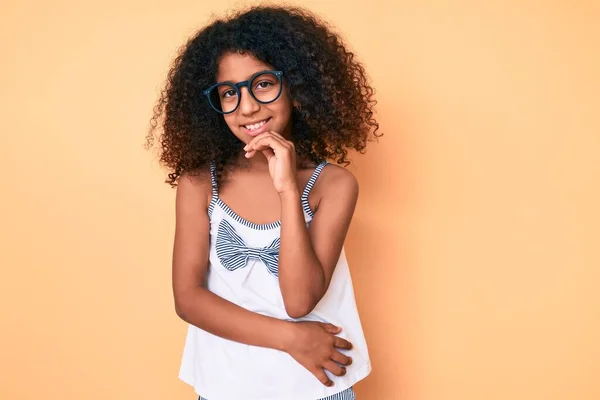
256	128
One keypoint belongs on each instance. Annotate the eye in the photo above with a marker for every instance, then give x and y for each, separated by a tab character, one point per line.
228	93
263	85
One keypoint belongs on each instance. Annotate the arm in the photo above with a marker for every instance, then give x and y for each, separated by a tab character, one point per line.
194	303
312	344
307	257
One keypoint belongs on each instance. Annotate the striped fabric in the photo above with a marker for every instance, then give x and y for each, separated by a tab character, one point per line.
216	201
215	189
231	249
308	188
233	252
347	394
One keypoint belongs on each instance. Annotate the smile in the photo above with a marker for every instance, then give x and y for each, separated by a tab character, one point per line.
257	128
254	127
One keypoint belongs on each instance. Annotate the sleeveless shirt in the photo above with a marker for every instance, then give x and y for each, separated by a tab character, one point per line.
243	267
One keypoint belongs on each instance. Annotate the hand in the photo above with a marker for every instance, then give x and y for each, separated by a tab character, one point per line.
315	346
281	156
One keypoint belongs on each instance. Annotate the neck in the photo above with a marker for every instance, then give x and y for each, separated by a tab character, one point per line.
259	162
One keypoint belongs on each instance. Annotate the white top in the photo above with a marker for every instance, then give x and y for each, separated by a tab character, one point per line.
243	265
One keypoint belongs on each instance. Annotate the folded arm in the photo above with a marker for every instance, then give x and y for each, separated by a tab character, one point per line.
308	256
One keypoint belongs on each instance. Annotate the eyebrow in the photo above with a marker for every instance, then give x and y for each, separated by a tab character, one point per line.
247	79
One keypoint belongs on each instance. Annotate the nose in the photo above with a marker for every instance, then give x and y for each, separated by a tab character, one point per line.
248	105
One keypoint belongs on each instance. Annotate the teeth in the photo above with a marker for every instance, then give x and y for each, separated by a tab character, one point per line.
255	126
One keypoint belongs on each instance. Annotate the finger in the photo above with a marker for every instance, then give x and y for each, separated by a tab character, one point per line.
252	141
257	138
249	144
334	368
278	135
252	149
331	328
269	141
268	153
341	359
319	373
265	150
342	343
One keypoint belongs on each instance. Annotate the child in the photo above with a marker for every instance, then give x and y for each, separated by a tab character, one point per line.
253	106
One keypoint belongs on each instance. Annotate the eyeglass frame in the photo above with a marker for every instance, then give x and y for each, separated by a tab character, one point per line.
238	88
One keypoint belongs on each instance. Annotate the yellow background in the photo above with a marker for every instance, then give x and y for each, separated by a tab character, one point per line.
475	248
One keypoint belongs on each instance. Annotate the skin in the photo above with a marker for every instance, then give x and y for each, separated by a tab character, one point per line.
307	255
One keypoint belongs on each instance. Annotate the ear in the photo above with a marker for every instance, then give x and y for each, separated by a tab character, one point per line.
296	104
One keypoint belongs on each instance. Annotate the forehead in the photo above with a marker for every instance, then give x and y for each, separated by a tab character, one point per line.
236	67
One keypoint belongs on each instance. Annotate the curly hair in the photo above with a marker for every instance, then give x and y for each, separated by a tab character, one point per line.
326	123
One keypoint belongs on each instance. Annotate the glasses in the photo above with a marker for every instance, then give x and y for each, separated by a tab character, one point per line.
264	87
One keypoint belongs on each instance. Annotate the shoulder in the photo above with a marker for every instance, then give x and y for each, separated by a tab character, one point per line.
337	181
194	187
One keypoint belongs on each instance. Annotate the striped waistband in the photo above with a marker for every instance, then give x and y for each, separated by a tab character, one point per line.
347	394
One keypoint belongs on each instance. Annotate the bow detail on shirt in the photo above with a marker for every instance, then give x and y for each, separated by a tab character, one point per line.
234	253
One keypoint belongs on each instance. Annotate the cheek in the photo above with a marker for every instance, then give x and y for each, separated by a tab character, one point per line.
234	127
284	109
230	121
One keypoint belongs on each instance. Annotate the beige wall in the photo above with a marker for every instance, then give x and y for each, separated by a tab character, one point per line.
475	247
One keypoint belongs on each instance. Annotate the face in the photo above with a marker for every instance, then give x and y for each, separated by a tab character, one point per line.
251	117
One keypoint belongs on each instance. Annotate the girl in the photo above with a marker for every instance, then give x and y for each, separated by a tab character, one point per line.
253	106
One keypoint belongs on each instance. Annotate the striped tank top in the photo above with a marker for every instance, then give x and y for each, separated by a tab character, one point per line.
243	268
